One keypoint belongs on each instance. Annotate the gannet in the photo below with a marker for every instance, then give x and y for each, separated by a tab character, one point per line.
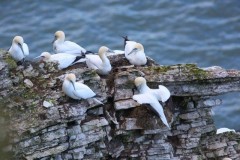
134	52
152	96
62	46
99	62
77	90
64	60
222	130
19	50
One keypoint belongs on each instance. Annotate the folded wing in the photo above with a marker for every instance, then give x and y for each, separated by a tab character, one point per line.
25	49
83	91
72	47
162	94
93	61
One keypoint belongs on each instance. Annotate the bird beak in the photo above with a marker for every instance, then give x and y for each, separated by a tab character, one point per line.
20	45
55	38
110	51
133	89
73	85
37	57
134	50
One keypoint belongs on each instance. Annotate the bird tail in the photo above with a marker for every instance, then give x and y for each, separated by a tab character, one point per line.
159	109
79	59
125	39
89	52
155	105
164	120
83	54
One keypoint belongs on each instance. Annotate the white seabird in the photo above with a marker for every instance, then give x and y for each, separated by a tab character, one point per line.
99	62
77	90
62	46
222	130
64	60
152	96
19	50
134	52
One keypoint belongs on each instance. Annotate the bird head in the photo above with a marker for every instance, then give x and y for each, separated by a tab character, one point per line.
103	50
19	41
59	35
71	78
45	56
137	47
139	81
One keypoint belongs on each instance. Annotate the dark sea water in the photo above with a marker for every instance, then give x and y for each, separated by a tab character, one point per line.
205	32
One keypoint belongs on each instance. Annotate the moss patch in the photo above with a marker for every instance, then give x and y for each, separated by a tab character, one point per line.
195	71
160	69
11	63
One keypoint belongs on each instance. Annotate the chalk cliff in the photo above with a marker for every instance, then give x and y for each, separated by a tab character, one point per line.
40	122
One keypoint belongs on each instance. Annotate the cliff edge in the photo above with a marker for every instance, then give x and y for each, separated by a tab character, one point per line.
40	122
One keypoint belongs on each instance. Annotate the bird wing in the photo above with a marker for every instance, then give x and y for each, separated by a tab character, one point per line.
25	49
115	52
143	98
222	130
118	52
73	47
156	106
83	91
93	61
64	60
162	94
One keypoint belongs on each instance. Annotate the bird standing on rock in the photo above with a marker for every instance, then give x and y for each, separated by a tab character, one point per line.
62	46
64	60
152	96
19	50
100	62
134	52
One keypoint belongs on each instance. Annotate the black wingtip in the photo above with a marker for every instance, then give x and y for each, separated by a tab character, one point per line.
89	52
82	54
78	58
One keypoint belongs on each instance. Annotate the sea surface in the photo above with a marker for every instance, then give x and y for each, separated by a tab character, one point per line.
205	32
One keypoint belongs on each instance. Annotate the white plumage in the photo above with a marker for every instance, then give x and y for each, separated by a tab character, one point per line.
134	52
129	47
76	90
116	52
62	46
64	60
99	62
152	96
19	50
222	130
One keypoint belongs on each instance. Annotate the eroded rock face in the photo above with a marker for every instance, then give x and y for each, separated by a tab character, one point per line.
45	124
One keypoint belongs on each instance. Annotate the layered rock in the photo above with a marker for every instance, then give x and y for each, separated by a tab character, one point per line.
44	123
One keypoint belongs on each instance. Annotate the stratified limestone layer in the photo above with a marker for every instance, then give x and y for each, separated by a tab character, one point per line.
44	123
